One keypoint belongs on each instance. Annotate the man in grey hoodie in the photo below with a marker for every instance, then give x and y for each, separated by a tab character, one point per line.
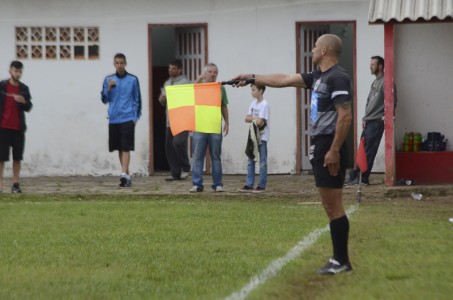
373	121
175	146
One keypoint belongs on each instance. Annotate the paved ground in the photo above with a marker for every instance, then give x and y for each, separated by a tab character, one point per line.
278	185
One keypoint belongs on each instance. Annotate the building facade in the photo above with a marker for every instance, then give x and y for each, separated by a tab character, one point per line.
67	48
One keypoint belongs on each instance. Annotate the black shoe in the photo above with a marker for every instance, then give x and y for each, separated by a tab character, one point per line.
246	189
125	182
16	188
259	190
333	267
196	189
354	181
171	178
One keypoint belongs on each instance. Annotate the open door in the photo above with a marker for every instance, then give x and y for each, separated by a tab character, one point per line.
166	43
307	34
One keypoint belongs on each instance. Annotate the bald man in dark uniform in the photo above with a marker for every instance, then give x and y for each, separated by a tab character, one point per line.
330	118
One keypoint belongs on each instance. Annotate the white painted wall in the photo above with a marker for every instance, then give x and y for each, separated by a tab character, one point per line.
67	128
424	73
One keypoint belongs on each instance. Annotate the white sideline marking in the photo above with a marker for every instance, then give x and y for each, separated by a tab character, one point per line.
274	267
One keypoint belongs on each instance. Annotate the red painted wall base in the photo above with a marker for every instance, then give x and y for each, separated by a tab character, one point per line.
425	167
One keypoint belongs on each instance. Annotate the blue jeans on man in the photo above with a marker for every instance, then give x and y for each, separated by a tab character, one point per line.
250	180
201	141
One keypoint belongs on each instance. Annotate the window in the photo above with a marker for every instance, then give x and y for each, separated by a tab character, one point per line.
57	43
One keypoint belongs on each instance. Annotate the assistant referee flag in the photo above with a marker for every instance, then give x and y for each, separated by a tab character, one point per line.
361	161
195	107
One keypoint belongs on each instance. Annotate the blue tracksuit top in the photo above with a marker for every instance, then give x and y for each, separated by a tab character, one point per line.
125	101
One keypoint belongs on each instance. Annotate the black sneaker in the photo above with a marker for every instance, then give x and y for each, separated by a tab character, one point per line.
333	267
246	189
196	189
125	182
171	178
16	188
354	181
259	190
365	181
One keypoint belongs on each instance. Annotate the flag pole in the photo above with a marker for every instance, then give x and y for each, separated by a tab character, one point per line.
359	188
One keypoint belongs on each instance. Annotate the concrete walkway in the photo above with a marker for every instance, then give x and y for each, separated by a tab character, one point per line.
278	185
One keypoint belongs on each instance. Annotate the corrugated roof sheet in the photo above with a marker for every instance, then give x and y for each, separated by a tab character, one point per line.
382	11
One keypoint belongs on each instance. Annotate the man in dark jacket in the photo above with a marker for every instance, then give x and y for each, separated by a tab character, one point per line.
14	102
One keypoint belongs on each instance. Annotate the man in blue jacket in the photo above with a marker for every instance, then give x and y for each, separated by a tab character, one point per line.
122	92
14	102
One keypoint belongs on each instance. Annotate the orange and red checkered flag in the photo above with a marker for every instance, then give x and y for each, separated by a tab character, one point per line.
361	161
195	107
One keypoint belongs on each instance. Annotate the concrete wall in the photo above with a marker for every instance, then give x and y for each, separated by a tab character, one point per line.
67	128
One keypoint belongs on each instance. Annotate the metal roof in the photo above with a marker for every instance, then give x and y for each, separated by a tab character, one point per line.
383	11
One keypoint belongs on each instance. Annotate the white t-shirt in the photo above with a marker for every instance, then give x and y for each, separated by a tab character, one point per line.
261	110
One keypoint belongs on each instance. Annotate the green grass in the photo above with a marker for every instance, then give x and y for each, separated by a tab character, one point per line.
399	250
206	247
138	247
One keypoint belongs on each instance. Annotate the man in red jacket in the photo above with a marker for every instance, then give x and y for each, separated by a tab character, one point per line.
14	102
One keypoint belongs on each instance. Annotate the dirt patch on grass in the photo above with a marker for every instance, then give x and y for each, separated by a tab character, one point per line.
301	188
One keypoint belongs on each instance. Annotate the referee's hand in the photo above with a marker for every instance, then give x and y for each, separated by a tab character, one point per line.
332	162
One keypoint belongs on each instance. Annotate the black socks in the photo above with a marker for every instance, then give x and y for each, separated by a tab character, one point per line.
339	232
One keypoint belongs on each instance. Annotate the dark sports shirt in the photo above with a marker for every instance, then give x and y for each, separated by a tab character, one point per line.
328	89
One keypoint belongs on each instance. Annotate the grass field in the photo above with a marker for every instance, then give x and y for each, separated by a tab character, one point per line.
204	247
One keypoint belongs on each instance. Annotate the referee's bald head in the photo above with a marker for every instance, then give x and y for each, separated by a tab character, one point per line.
332	42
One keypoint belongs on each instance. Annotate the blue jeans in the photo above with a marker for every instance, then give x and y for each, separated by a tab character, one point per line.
250	180
372	132
201	141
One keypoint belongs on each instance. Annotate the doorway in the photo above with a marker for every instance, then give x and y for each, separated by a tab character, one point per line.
167	42
306	35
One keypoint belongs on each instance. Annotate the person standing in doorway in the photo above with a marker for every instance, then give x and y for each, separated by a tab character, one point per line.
213	141
175	145
259	114
373	121
330	119
122	92
15	100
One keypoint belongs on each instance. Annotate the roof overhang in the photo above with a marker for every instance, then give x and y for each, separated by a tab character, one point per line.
410	11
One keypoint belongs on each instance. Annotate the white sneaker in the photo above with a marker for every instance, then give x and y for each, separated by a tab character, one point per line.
184	175
195	189
219	188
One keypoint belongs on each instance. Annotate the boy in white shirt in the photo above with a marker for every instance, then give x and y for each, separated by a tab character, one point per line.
259	113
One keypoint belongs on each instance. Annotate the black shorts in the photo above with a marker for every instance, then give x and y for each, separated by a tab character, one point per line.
122	136
320	145
11	139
